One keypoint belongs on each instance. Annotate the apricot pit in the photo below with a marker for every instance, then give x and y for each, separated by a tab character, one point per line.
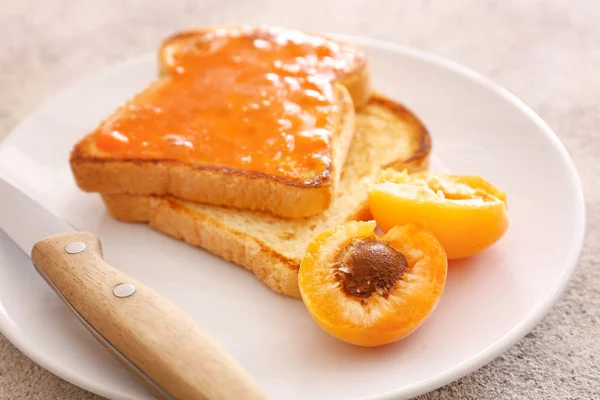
369	265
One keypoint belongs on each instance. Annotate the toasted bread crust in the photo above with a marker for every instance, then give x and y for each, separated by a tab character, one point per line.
421	151
359	85
200	225
168	216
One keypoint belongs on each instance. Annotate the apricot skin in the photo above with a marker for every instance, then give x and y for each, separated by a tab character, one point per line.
377	320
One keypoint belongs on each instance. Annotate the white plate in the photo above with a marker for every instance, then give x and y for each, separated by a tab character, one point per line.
489	303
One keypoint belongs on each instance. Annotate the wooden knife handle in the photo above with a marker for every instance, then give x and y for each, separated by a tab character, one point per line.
149	331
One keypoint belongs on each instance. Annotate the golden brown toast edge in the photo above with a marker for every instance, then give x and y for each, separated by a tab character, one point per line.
170	216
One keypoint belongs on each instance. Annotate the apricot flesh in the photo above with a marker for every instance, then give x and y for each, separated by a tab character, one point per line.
465	213
388	313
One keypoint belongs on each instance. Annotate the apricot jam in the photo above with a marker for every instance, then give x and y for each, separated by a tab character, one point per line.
251	99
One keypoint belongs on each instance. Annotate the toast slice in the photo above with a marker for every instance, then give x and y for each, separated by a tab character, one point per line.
216	128
387	135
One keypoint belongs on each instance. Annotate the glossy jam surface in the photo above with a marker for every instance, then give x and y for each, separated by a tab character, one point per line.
256	100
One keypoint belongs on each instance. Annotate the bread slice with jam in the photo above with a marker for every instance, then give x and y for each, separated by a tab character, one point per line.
254	118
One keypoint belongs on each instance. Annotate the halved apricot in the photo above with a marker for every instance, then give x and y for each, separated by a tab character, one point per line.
371	290
465	213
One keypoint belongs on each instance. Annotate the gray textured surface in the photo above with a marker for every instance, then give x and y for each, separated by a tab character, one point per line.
546	52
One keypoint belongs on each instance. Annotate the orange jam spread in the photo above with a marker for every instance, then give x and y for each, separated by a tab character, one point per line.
250	99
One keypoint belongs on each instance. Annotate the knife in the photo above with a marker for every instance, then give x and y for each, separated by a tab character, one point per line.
156	341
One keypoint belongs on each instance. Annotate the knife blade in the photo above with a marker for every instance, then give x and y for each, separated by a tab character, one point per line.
157	342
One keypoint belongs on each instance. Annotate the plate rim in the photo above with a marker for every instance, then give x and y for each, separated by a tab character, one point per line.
471	364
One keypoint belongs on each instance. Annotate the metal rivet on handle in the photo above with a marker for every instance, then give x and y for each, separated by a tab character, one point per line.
75	247
124	290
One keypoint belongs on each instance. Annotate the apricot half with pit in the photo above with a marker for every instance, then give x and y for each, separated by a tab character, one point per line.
371	290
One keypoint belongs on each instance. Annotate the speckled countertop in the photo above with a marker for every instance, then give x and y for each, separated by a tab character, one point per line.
545	51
